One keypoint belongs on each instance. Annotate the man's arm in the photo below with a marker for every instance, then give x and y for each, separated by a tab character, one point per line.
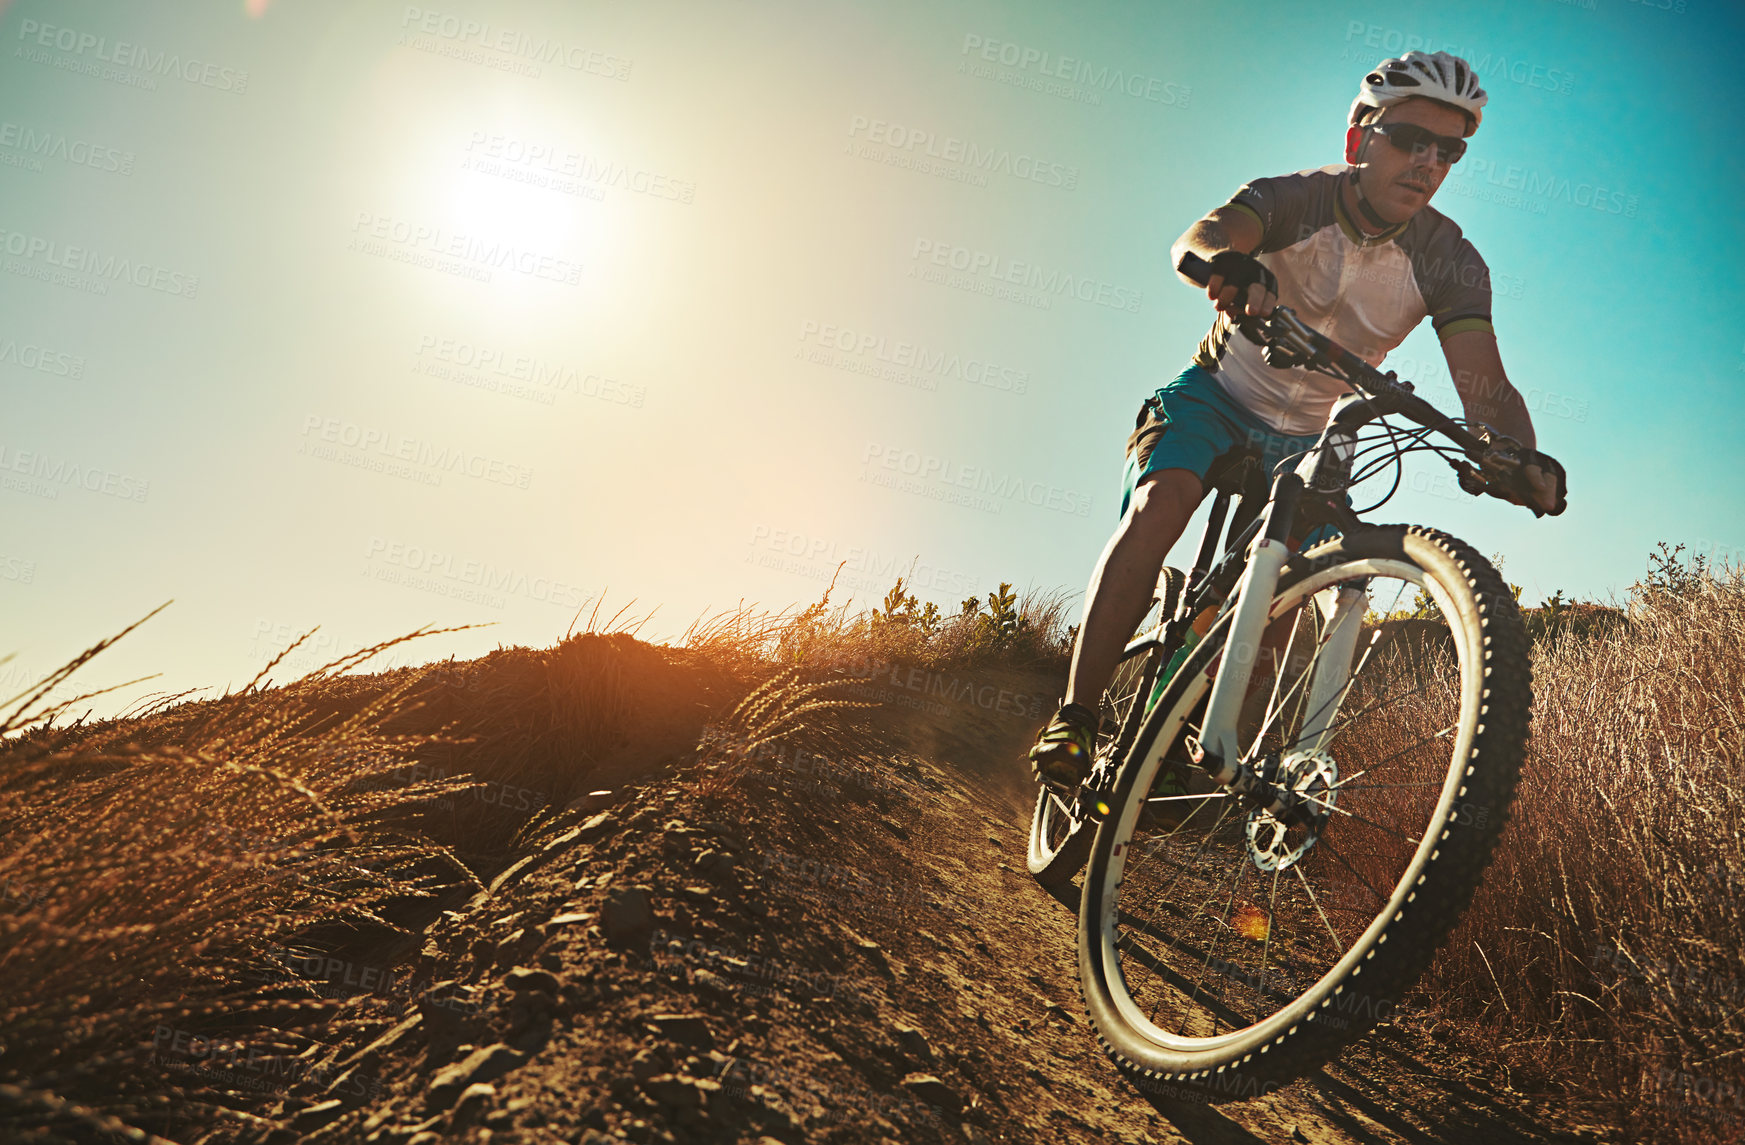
1227	228
1484	389
1485	392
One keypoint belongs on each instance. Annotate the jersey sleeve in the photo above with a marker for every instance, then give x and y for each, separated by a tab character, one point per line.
1455	283
1281	205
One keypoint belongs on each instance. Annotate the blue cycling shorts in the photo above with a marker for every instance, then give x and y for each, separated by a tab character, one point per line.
1191	424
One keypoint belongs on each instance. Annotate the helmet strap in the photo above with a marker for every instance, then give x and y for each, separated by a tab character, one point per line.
1363	206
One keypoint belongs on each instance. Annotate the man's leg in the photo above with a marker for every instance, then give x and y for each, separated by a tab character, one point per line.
1126	574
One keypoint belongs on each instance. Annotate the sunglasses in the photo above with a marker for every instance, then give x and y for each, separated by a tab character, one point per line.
1414	139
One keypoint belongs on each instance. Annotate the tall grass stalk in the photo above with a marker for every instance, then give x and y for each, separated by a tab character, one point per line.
1613	919
146	867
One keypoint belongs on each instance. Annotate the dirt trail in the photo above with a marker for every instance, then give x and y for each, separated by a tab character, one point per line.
819	953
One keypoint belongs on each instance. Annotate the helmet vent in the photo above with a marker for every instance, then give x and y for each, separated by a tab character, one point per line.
1439	76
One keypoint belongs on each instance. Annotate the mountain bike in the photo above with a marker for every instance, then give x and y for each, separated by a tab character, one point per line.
1355	713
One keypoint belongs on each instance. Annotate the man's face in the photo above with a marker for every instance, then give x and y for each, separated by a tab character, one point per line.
1399	184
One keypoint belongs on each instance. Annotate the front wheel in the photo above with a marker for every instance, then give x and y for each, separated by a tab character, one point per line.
1228	953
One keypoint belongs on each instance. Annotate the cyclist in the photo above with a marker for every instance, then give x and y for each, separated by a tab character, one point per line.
1358	253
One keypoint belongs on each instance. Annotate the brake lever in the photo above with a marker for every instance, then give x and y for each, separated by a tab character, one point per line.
1274	335
1281	358
1499	472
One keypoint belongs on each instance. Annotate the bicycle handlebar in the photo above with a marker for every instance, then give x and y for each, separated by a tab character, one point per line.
1498	456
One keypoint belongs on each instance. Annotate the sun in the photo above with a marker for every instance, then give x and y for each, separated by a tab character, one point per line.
499	199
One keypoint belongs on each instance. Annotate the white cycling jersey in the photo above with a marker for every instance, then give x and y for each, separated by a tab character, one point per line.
1365	292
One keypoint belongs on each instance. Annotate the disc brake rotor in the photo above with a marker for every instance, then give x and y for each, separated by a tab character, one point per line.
1274	845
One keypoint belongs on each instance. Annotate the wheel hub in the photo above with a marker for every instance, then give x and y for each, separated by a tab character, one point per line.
1312	775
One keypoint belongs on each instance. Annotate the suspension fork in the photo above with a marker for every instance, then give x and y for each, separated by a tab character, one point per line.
1342	609
1248	623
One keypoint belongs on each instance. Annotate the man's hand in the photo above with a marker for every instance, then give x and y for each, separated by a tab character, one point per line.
1241	285
1544	487
1540	484
1520	475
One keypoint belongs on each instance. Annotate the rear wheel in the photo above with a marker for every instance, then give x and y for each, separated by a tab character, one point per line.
1060	838
1228	953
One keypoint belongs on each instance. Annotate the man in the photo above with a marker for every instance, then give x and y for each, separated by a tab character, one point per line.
1359	254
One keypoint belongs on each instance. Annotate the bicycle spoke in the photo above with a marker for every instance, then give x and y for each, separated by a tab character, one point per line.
1178	895
1381	898
1361	819
1333	731
1266	946
1375	786
1296	692
1197	850
1378	766
1272	701
1217	940
1173	831
1181	798
1181	932
1339	700
1309	671
1338	944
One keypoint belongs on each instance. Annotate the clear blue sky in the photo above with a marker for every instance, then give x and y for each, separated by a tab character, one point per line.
377	315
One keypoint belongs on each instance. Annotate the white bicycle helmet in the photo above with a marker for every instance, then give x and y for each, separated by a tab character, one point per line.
1438	76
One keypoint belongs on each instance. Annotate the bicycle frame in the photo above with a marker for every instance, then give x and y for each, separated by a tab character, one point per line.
1246	579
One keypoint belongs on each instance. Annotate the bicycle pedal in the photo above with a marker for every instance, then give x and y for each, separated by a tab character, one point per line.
1092	804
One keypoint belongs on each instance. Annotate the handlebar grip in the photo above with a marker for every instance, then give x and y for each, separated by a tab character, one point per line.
1195	267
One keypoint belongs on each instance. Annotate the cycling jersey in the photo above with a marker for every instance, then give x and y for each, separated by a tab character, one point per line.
1365	292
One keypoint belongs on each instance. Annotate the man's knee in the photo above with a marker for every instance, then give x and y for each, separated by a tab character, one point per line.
1168	493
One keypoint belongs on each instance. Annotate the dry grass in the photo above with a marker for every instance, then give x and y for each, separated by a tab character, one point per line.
149	864
1028	631
1605	951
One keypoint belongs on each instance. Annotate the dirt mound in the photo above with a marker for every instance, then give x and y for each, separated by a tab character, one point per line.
806	950
787	922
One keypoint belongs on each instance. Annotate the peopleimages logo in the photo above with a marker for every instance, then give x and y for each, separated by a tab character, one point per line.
52	145
984	269
971	479
472	360
1491	66
47	472
337	435
511	42
482	575
572	172
908	356
90	267
421	244
1076	71
1536	184
823	558
138	57
950	149
33	357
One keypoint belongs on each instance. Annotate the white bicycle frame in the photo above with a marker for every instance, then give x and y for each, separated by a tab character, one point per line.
1343	610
